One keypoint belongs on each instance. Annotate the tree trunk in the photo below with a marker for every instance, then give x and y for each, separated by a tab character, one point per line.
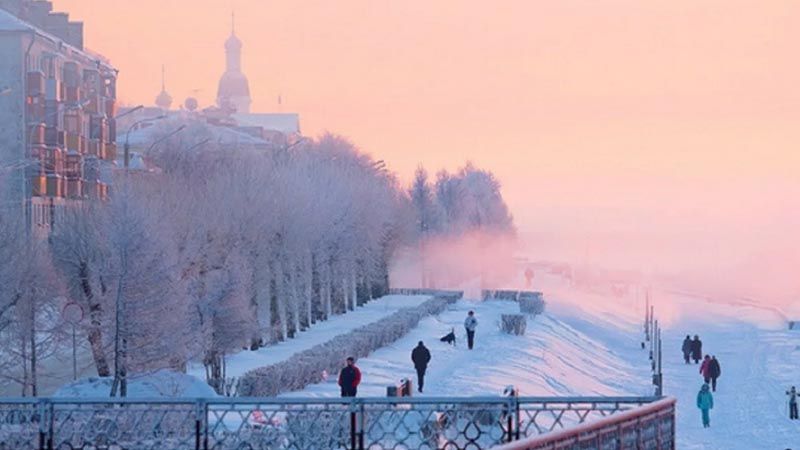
326	291
98	354
34	387
25	378
95	334
281	299
345	291
263	298
295	301
308	288
353	289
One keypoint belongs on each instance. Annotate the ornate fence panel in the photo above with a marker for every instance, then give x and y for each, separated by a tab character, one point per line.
473	423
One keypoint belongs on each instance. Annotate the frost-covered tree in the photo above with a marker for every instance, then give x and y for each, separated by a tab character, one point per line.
80	255
29	306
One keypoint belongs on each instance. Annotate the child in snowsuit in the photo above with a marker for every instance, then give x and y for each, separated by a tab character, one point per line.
705	401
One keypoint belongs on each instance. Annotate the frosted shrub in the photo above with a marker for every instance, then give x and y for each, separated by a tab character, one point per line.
513	324
307	367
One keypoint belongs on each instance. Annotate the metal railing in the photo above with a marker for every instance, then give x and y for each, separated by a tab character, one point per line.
473	423
649	427
652	335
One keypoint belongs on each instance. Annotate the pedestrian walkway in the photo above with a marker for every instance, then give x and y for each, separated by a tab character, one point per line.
552	358
759	362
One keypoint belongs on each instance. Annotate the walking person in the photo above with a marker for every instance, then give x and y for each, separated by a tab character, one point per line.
705	401
349	378
470	323
792	393
704	369
697	349
686	348
421	356
714	371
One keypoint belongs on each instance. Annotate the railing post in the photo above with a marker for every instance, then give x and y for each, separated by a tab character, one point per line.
517	419
362	426
353	437
43	420
51	433
198	424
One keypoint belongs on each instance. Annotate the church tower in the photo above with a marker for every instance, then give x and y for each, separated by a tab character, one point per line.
234	89
164	100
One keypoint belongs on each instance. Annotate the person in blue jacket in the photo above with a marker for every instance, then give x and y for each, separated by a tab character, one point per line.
705	401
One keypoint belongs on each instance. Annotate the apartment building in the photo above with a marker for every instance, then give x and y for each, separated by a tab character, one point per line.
57	108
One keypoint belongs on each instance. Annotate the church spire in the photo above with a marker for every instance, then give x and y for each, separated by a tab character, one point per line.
164	100
234	89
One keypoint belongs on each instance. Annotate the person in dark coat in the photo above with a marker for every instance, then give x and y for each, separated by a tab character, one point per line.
349	378
697	349
421	357
792	393
714	371
686	348
470	323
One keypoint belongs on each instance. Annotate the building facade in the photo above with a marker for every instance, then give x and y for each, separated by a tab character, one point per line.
58	133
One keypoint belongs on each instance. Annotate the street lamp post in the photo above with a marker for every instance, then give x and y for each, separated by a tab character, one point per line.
128	135
165	137
130	111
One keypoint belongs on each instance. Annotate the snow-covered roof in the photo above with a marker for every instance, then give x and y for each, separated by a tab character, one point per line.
10	22
286	123
199	130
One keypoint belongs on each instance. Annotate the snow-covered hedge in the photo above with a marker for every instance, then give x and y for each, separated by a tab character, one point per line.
452	295
530	302
307	367
513	324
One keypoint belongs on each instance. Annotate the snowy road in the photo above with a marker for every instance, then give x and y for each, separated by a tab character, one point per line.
759	360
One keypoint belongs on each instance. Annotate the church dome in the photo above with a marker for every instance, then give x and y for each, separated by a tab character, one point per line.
164	100
233	84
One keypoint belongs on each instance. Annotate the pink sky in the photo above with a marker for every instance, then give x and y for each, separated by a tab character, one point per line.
675	119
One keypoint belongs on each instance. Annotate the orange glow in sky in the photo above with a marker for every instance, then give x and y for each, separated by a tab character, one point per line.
676	119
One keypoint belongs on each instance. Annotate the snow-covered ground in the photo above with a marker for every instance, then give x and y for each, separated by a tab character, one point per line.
246	360
760	360
162	383
557	356
588	343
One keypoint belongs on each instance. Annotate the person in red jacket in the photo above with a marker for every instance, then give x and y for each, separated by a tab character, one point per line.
349	378
705	368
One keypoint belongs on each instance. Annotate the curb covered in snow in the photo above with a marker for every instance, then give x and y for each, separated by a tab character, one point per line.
307	367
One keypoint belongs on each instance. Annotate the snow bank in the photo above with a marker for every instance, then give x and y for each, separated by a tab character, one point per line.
162	383
309	366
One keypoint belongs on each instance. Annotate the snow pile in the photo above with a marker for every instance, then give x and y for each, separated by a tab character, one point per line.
162	383
310	366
